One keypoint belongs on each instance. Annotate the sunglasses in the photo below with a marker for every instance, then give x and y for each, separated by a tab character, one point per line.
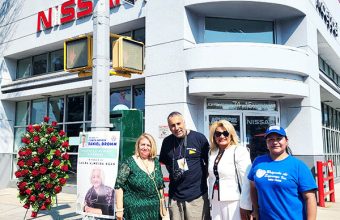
218	133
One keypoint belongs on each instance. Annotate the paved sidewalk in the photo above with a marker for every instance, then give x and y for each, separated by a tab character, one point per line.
332	210
11	209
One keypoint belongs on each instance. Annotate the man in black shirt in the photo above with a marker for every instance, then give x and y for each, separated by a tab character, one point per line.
185	155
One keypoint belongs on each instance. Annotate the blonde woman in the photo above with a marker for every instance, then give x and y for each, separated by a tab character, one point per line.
228	166
138	177
99	198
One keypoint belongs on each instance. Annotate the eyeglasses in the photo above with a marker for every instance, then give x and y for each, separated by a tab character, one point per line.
218	133
277	139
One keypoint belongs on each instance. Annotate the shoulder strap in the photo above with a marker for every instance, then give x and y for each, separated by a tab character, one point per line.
237	173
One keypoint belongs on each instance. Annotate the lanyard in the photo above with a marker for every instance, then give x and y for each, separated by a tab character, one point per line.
184	143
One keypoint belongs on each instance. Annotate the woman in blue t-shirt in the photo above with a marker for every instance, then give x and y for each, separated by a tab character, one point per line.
282	186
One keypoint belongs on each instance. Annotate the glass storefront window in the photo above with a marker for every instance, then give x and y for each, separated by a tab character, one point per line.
89	107
120	99
56	109
237	30
139	97
39	108
24	68
72	172
139	35
328	71
73	121
22	112
18	132
233	119
40	64
75	108
56	61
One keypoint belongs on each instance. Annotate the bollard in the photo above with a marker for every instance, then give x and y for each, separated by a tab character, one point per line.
331	180
320	184
322	179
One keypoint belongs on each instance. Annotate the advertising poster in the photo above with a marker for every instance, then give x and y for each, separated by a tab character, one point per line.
96	173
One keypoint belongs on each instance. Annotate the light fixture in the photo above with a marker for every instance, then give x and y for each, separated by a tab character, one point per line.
277	96
218	94
327	101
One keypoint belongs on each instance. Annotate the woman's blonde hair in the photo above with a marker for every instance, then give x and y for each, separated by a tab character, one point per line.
101	173
226	125
153	150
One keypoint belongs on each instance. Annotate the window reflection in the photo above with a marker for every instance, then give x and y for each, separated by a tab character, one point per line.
139	35
237	30
73	130
72	172
40	64
120	99
75	110
22	110
56	109
24	68
89	107
139	97
56	61
18	133
39	108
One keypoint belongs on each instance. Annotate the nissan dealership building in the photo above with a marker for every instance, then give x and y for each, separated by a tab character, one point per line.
254	63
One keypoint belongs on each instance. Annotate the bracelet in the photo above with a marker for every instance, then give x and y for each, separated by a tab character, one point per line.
120	210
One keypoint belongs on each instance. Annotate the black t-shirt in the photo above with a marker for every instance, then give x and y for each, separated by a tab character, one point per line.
194	181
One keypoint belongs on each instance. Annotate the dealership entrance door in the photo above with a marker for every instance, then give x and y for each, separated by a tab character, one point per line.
250	119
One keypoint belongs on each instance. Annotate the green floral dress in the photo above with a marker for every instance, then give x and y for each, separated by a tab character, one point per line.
141	201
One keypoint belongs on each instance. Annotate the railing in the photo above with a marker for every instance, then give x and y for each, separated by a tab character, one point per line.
321	181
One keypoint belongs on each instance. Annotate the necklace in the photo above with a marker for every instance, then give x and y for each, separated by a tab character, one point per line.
151	175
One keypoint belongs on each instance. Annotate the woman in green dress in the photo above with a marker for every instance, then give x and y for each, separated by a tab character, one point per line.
138	177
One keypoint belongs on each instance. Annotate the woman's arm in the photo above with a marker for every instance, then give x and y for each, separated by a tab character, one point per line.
92	210
119	204
309	197
243	165
253	195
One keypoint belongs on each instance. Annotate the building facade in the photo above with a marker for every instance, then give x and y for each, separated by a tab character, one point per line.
254	63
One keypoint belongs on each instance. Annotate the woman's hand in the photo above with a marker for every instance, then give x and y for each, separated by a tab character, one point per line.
119	215
93	210
245	214
255	214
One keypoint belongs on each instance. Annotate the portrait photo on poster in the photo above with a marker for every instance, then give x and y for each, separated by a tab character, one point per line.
83	139
99	198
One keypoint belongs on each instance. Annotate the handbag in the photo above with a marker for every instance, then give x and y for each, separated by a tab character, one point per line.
163	210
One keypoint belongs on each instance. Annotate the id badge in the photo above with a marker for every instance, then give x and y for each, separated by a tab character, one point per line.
182	164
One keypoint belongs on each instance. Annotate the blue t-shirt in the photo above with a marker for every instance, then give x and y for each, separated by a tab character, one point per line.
280	185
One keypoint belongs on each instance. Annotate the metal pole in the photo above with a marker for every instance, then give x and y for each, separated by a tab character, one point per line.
101	66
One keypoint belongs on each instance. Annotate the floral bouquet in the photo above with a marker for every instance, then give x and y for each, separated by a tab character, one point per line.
43	163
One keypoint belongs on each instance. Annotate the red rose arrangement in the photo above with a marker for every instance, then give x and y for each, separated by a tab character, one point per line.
42	165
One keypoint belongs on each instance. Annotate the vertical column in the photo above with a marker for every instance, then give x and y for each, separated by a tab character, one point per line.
101	66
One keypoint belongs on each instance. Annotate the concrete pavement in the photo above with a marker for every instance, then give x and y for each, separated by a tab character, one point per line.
332	210
11	209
